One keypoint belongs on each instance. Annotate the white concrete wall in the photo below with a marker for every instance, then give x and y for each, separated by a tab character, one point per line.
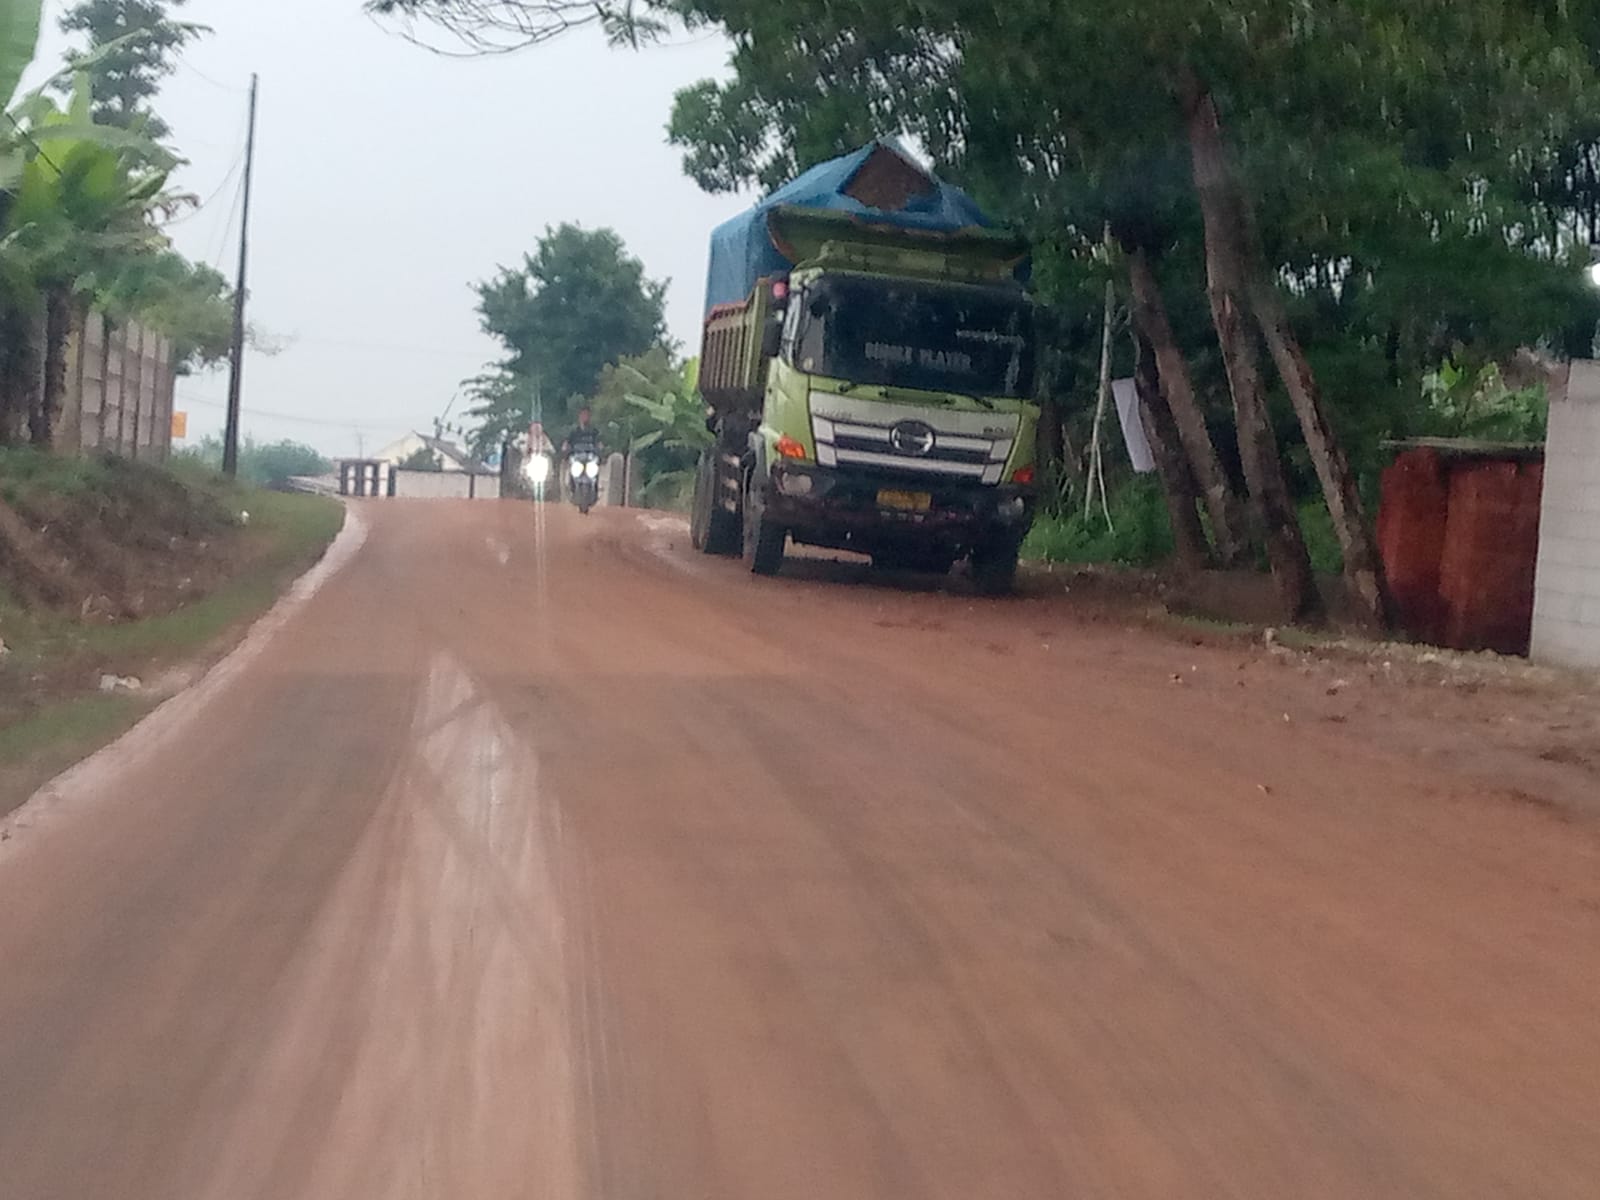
1566	605
613	481
445	485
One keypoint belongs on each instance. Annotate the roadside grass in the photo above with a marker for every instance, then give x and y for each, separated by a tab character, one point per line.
56	715
291	531
38	748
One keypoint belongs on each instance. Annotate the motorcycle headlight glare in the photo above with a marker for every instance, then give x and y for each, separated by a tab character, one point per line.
577	469
592	469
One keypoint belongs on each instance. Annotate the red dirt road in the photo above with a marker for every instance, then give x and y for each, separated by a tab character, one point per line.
538	858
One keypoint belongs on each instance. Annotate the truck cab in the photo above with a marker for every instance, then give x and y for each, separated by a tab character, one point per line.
875	397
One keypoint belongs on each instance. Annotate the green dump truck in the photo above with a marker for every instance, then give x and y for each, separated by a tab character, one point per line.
867	366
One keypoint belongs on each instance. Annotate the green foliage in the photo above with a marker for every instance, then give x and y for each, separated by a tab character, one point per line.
138	41
1322	541
189	302
1140	534
647	405
1480	404
19	34
578	302
422	459
499	26
24	470
501	404
82	209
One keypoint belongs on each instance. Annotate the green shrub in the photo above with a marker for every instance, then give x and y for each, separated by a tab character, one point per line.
1322	543
1140	534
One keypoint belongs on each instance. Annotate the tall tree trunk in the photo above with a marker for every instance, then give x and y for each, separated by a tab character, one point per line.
1227	274
57	328
1363	567
1223	506
1172	464
1097	472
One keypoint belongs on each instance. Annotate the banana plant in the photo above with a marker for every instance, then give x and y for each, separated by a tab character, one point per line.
677	413
20	115
80	211
19	38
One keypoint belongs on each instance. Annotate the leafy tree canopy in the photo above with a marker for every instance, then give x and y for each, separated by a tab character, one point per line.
134	44
578	302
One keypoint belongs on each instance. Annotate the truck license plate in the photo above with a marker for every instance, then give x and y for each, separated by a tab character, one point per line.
905	501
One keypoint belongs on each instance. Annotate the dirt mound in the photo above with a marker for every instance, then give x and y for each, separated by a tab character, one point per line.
107	540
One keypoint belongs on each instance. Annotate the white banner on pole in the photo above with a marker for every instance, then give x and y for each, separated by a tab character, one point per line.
1129	411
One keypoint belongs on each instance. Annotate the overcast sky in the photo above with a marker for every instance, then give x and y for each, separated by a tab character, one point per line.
389	178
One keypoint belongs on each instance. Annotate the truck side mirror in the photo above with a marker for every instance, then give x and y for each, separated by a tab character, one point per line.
771	338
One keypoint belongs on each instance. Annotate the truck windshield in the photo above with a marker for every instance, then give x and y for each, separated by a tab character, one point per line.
930	337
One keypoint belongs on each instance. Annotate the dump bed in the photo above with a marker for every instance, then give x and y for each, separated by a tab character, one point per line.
878	185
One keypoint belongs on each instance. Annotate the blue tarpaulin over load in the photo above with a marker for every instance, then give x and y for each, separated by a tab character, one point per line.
742	251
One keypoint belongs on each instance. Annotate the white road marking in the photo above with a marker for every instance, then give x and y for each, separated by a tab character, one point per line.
436	980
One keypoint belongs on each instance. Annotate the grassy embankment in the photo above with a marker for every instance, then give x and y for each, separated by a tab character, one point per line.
111	569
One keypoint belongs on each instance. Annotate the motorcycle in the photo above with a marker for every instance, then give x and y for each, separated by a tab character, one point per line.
583	469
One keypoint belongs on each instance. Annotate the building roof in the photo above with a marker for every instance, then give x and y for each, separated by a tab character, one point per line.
451	455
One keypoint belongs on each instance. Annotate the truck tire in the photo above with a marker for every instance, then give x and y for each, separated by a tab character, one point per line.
712	528
994	566
763	540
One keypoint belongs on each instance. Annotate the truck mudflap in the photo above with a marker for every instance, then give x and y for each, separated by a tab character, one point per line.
871	510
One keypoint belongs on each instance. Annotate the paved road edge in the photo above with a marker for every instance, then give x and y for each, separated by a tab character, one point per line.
94	777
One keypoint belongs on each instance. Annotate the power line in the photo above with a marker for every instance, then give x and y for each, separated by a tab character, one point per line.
233	171
217	256
326	422
204	78
37	149
206	203
389	347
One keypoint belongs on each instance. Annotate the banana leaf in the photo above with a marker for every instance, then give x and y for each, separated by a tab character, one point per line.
19	37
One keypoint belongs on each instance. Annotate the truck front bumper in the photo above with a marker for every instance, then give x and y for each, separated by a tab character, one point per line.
864	509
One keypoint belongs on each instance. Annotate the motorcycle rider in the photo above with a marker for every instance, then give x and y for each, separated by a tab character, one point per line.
585	439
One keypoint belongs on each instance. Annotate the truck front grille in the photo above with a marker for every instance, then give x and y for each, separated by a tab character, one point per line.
915	439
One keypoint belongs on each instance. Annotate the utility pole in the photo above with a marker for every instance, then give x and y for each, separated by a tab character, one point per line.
230	440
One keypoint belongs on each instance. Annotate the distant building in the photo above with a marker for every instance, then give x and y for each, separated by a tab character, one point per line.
450	456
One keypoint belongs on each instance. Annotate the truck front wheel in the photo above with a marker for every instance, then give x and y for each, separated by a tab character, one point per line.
763	540
994	566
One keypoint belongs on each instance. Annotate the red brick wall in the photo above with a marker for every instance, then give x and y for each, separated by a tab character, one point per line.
1411	533
1460	543
1491	551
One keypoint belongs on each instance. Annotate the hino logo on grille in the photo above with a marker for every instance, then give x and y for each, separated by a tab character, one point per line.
913	437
